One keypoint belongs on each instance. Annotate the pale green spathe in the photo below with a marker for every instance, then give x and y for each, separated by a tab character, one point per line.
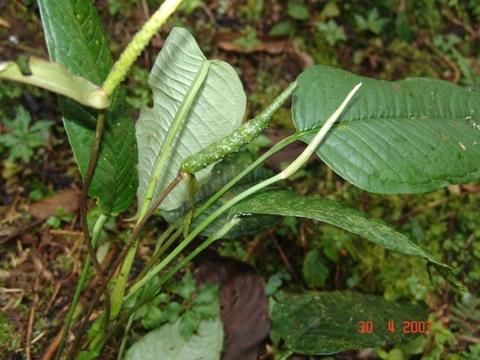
217	110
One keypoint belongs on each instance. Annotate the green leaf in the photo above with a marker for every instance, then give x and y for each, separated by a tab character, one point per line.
328	322
297	10
287	203
186	287
152	317
315	272
171	312
189	323
207	294
206	303
408	136
21	138
217	110
282	28
205	344
75	38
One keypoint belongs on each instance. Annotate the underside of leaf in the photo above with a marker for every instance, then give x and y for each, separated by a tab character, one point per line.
216	111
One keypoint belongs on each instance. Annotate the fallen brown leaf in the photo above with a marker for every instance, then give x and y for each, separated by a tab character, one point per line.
228	42
65	199
244	305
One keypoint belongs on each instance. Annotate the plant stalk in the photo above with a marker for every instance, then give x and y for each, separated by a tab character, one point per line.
287	172
84	199
81	284
159	166
161	250
132	238
138	43
221	232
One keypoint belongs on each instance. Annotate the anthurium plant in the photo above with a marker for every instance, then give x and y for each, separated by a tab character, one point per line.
401	137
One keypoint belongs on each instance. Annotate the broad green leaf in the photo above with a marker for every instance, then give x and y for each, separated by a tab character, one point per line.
287	203
217	110
408	136
75	39
329	322
169	344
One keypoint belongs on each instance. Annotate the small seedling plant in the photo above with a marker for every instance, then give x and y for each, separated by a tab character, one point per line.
409	136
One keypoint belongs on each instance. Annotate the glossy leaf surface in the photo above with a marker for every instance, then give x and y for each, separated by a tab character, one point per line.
408	136
287	203
330	322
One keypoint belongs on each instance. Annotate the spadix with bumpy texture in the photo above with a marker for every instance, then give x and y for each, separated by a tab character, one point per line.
408	136
217	109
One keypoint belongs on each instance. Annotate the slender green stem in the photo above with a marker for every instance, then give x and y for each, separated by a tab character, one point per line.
125	337
273	150
165	235
210	240
177	225
138	43
118	261
129	313
155	270
81	284
161	250
159	166
290	170
167	146
92	163
56	78
305	155
286	355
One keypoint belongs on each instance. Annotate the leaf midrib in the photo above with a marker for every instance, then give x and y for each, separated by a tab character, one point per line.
345	122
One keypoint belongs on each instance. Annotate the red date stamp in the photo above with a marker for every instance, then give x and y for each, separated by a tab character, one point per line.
406	327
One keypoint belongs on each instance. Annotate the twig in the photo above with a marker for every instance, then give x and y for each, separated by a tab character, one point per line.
451	64
53	297
83	205
21	231
469	339
52	348
31	320
282	254
63	232
474	34
4	23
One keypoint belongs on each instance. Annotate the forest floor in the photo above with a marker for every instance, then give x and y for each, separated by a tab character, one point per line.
269	43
